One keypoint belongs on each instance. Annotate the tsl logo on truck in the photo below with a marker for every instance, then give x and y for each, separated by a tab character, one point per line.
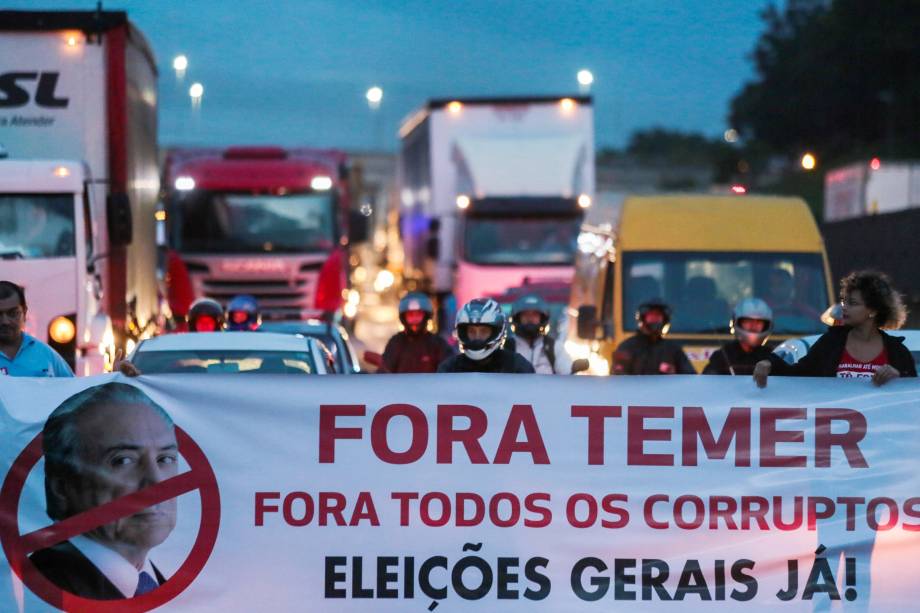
14	92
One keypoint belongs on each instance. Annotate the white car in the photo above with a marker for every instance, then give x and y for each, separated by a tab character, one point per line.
795	349
232	352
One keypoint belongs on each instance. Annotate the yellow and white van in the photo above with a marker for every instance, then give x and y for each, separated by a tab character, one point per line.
701	254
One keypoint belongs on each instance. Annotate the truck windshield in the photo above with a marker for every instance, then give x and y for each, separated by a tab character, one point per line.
36	226
702	288
521	241
217	222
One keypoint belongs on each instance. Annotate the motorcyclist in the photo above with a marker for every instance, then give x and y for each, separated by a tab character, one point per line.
243	314
415	349
648	352
531	338
205	315
752	323
481	329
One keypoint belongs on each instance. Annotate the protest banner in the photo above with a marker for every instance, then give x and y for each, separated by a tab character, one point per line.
470	492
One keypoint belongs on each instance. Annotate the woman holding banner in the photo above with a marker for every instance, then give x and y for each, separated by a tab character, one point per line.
859	348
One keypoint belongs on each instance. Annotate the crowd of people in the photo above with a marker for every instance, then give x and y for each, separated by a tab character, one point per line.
488	341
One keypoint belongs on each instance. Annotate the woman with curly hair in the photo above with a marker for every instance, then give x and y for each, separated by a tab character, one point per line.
859	348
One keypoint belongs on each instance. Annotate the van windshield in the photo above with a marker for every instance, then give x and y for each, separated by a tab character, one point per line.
218	222
520	241
701	288
36	226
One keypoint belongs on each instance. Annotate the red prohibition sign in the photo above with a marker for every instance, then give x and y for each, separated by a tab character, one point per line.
17	547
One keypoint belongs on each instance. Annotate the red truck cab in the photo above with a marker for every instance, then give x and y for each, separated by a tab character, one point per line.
265	221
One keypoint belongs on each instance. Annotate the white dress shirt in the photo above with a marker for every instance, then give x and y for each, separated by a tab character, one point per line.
121	573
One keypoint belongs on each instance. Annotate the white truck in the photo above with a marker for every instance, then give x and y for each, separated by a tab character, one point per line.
870	188
79	178
493	191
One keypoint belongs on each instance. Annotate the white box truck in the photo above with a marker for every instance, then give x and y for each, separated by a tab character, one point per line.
870	188
493	191
79	179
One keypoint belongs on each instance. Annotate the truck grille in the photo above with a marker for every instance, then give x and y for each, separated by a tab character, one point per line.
278	299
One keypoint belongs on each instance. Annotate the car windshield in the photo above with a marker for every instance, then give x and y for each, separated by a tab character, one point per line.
262	362
521	241
702	288
36	226
341	361
217	222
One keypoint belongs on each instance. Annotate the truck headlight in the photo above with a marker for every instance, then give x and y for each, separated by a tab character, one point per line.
62	330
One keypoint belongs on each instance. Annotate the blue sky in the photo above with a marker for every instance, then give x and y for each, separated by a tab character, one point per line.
295	71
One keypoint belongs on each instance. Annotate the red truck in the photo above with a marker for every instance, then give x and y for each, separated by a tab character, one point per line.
265	221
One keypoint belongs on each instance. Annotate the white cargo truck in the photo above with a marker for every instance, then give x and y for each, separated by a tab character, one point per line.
79	179
493	192
870	188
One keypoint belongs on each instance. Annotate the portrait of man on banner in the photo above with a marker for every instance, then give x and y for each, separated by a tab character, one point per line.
106	442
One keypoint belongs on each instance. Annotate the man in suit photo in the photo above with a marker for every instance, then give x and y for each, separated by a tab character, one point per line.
103	443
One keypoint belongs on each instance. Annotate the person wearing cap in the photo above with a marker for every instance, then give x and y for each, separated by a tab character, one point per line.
752	323
649	352
482	329
21	354
415	349
243	314
531	339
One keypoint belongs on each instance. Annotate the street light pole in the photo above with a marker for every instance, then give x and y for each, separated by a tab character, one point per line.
374	98
180	65
585	79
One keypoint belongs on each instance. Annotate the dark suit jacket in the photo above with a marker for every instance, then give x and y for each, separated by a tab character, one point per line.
70	570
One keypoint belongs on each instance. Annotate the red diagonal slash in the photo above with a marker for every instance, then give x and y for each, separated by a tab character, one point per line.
110	511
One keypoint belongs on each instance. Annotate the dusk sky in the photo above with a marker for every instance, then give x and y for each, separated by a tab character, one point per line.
294	72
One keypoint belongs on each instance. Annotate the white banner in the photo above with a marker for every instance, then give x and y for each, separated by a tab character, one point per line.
460	492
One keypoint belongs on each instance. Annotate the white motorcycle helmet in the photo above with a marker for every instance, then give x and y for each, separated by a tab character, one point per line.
756	309
483	312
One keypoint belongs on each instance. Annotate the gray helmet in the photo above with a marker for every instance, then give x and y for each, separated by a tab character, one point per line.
415	301
752	308
529	302
484	312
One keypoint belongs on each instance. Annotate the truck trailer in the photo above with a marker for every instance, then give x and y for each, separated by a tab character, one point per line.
493	191
266	221
78	182
870	188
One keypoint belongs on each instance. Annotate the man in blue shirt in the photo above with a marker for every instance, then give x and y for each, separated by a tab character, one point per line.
22	355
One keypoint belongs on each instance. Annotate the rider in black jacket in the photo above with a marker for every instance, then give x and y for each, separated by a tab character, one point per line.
481	329
415	349
648	352
752	323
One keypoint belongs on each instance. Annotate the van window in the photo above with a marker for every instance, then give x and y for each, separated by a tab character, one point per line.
702	287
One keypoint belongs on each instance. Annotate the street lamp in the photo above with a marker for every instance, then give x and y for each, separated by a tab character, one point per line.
195	92
808	161
374	97
585	80
180	65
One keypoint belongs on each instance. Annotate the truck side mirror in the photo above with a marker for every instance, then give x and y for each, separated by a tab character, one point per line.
580	365
587	322
357	227
118	218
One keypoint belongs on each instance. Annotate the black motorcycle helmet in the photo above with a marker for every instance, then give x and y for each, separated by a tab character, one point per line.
648	323
205	315
530	302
